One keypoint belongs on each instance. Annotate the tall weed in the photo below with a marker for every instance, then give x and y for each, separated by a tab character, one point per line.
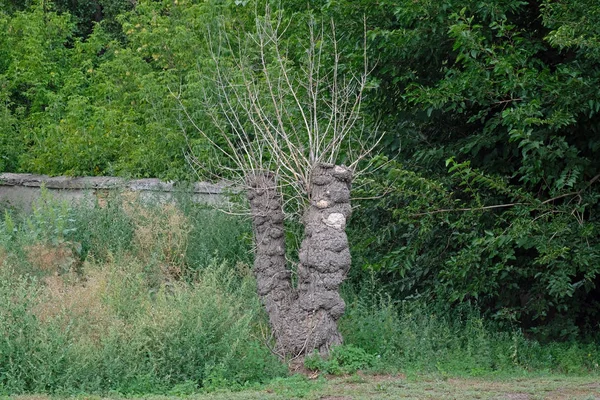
414	335
129	298
109	332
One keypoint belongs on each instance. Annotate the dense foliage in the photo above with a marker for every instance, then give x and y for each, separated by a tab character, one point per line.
125	298
492	197
487	190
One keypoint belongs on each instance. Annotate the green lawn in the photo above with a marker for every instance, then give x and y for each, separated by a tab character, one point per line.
400	387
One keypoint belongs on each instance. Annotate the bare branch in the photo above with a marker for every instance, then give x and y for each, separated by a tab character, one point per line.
269	114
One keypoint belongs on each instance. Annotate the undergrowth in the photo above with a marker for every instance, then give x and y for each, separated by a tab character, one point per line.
134	298
124	297
413	335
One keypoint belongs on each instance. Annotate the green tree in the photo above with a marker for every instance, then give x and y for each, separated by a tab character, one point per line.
491	110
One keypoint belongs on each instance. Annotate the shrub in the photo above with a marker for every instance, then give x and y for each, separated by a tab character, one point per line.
108	331
344	359
120	319
414	335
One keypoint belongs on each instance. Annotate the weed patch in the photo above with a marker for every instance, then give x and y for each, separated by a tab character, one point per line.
135	298
124	312
53	259
342	360
416	336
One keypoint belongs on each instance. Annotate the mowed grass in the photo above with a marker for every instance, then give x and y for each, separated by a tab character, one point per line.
358	387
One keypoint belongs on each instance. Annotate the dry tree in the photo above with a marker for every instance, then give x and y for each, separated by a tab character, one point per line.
282	125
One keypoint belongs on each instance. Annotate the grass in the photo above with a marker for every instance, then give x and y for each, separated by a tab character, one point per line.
132	299
122	297
356	387
416	336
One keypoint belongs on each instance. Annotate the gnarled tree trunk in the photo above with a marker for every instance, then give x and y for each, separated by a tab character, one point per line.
324	255
305	318
272	276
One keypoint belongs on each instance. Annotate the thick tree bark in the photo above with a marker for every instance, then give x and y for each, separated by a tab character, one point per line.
303	319
324	256
272	276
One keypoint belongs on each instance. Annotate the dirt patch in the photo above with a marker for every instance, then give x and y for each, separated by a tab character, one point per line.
465	384
526	389
593	385
381	378
573	393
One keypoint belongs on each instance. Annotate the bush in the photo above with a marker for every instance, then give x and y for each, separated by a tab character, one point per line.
342	360
110	332
414	335
129	312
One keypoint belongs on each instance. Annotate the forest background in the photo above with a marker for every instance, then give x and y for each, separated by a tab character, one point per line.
484	190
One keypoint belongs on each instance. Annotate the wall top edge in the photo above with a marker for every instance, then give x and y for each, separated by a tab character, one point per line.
104	182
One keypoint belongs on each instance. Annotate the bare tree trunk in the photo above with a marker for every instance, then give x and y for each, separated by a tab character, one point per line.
296	120
272	276
324	255
303	319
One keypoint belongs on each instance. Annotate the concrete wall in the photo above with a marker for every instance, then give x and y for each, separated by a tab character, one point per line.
21	190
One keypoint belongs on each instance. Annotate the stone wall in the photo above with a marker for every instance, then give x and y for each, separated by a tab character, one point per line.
21	190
